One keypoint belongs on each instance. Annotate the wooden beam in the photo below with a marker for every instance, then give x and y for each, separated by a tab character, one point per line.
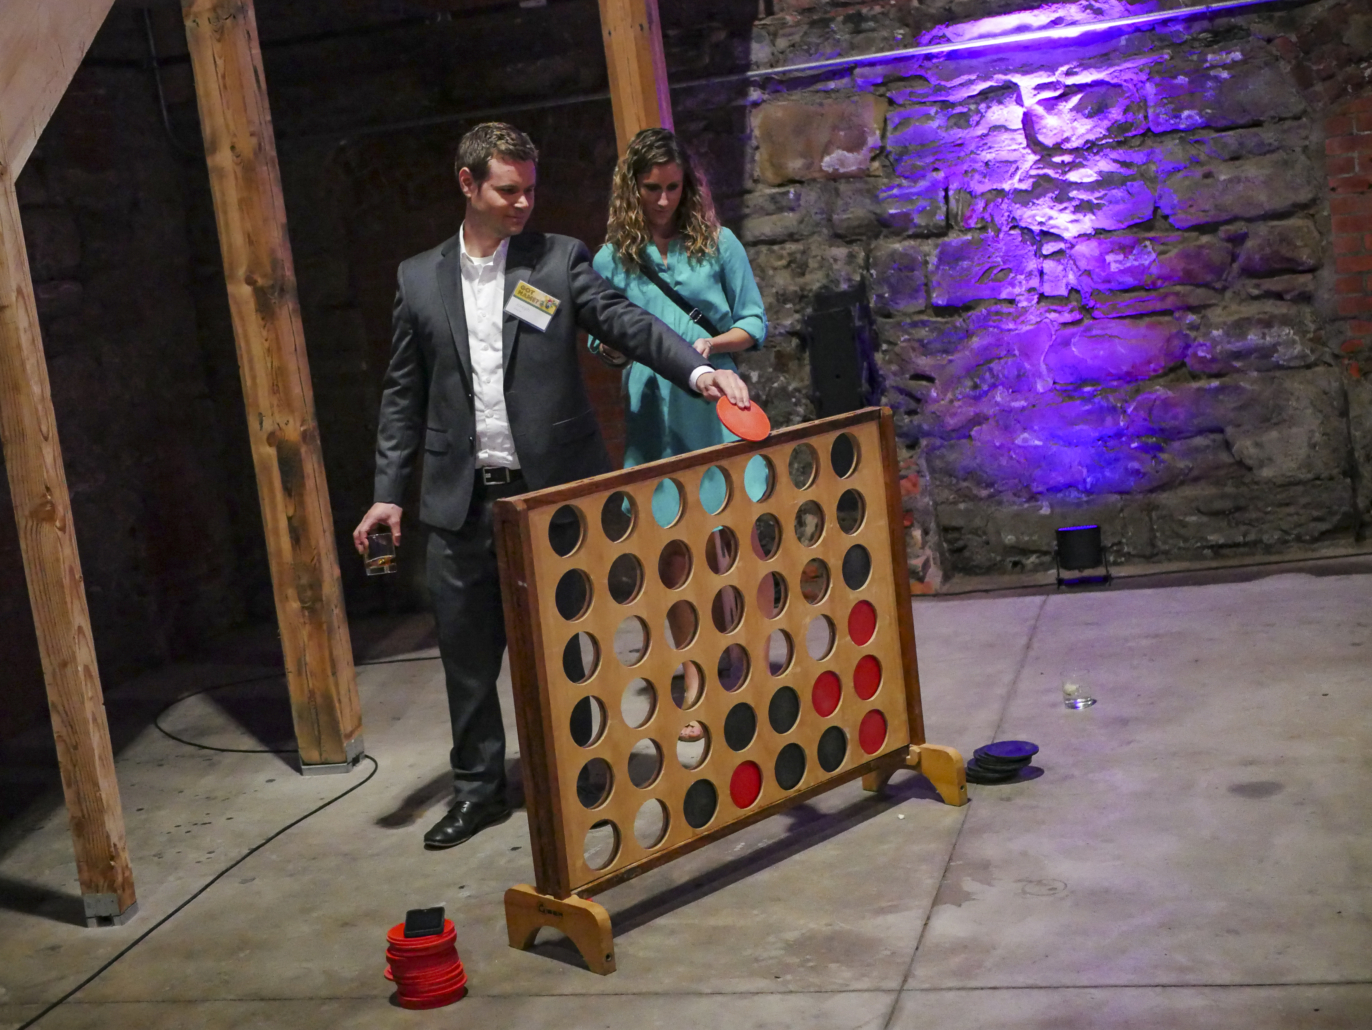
57	593
260	275
638	70
41	46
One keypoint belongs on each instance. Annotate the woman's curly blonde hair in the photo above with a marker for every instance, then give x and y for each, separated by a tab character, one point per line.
628	232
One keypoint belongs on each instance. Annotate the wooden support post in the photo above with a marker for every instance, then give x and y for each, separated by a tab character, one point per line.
41	46
47	540
638	70
260	275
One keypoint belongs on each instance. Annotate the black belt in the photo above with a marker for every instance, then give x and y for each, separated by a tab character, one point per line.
491	476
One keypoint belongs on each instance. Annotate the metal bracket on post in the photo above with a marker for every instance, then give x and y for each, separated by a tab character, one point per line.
103	910
354	750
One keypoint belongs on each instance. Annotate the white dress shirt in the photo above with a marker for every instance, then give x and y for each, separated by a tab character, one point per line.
483	291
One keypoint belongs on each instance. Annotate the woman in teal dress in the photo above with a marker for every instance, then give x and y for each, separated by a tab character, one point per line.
662	219
661	216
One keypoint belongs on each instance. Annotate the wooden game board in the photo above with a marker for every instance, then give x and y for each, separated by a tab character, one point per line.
604	805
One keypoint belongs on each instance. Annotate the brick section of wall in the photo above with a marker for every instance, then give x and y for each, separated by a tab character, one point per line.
1348	149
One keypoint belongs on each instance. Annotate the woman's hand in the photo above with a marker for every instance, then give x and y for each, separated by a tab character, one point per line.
704	346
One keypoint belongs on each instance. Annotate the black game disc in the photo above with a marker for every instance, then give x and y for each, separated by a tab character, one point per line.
991	762
976	774
1010	749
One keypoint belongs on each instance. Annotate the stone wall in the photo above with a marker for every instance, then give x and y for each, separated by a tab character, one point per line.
1102	269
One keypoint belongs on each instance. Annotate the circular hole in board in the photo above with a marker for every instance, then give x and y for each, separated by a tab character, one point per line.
850	511
862	623
826	694
809	523
843	455
715	489
631	641
681	624
819	637
617	516
593	783
644	763
601	845
688	685
802	466
572	595
721	550
780	651
745	785
872	731
783	710
580	657
637	703
766	537
740	726
699	804
650	823
867	677
759	478
814	581
832	749
790	766
726	610
667	502
674	565
733	667
587	723
857	567
625	579
565	530
692	753
771	594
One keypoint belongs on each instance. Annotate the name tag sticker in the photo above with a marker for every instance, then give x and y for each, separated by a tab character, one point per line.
532	305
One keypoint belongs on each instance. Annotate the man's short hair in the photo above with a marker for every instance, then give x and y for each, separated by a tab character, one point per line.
489	140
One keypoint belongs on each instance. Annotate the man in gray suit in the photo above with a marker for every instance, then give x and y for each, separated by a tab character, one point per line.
484	373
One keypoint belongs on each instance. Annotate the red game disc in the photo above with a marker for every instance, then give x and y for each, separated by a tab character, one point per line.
862	622
867	677
746	784
872	731
752	424
826	693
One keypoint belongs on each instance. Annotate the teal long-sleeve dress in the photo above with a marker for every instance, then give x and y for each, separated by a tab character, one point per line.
663	420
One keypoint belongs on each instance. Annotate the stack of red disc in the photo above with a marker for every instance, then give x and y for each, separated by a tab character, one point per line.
426	970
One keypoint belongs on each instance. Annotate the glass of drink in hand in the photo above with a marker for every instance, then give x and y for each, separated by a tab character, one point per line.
380	553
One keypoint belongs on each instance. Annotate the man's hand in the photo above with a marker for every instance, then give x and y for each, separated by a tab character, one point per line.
378	514
720	382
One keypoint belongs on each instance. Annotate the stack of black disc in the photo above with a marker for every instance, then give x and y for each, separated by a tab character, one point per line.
1000	762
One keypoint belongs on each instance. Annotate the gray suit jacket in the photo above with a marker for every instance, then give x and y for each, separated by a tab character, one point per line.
427	395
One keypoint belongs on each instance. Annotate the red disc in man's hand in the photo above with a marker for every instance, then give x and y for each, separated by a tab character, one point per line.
752	424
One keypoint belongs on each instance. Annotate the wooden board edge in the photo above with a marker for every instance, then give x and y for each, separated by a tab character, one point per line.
532	715
905	616
554	495
894	760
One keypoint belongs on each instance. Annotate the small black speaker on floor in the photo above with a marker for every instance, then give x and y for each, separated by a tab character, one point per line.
1079	549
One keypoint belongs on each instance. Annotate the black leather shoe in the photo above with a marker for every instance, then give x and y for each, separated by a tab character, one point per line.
463	821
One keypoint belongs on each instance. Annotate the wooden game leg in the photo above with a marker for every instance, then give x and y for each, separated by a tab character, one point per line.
586	924
941	766
944	768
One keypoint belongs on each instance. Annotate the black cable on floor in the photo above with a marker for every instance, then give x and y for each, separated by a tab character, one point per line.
227	869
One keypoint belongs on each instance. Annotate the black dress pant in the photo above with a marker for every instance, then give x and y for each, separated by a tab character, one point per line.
464	583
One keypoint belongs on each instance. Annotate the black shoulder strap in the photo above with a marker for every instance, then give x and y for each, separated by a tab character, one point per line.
692	312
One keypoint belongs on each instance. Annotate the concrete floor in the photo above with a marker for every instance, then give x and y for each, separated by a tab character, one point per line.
1197	852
